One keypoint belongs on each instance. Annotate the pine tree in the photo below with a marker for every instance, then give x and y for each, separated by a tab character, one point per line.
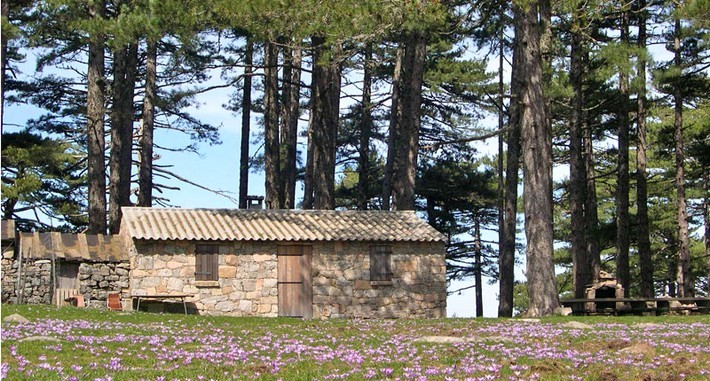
325	107
146	141
125	62
42	176
366	127
537	163
644	241
583	272
507	249
246	125
622	194
685	285
290	112
408	120
273	199
96	93
461	202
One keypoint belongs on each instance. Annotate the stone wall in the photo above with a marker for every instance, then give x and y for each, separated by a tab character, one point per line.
342	286
36	282
246	285
96	280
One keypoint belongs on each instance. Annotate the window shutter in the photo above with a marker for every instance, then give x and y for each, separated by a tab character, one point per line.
199	266
380	263
376	269
386	270
214	266
207	262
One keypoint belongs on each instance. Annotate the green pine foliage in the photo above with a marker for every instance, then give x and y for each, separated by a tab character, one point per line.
42	177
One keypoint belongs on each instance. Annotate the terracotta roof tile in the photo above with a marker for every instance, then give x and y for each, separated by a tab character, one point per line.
276	225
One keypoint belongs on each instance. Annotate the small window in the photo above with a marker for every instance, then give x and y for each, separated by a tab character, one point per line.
380	268
206	262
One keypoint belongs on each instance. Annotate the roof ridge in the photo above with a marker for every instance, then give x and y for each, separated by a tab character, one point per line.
278	225
178	209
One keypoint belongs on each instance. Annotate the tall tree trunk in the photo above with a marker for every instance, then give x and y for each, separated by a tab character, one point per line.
506	277
325	109
547	50
478	277
308	180
685	283
506	260
125	61
537	167
578	187
5	6
644	240
145	172
96	89
246	125
8	206
671	273
706	214
409	111
308	177
363	168
289	123
273	199
622	188
591	217
393	131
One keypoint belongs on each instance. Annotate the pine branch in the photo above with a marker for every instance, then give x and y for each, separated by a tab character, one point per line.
467	140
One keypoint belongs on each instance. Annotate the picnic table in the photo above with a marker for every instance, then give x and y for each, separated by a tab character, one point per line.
161	297
636	305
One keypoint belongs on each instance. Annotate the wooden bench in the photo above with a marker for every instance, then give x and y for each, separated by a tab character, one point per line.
161	297
620	306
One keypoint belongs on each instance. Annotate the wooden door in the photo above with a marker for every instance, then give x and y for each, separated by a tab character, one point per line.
68	276
295	281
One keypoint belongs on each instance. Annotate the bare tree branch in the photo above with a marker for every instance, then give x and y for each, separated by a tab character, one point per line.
221	193
467	140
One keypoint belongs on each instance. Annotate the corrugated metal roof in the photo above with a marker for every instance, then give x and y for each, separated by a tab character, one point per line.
276	225
75	247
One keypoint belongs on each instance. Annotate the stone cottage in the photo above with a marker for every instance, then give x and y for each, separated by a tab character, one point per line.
301	263
45	268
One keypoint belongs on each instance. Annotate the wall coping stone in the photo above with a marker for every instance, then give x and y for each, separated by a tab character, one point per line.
206	283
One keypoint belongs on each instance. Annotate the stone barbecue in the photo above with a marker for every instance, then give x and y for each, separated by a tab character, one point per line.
605	287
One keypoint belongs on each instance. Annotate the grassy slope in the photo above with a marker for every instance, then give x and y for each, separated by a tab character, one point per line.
102	345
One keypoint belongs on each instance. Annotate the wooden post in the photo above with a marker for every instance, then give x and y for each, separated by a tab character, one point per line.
18	289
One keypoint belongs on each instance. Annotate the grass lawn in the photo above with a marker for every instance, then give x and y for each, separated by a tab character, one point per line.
86	344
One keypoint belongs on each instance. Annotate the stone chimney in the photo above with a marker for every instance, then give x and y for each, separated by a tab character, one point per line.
255	202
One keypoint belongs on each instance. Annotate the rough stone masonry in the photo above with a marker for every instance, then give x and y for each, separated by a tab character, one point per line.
342	288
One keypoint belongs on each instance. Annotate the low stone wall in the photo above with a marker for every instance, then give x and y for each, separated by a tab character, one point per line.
246	285
96	280
342	286
36	282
